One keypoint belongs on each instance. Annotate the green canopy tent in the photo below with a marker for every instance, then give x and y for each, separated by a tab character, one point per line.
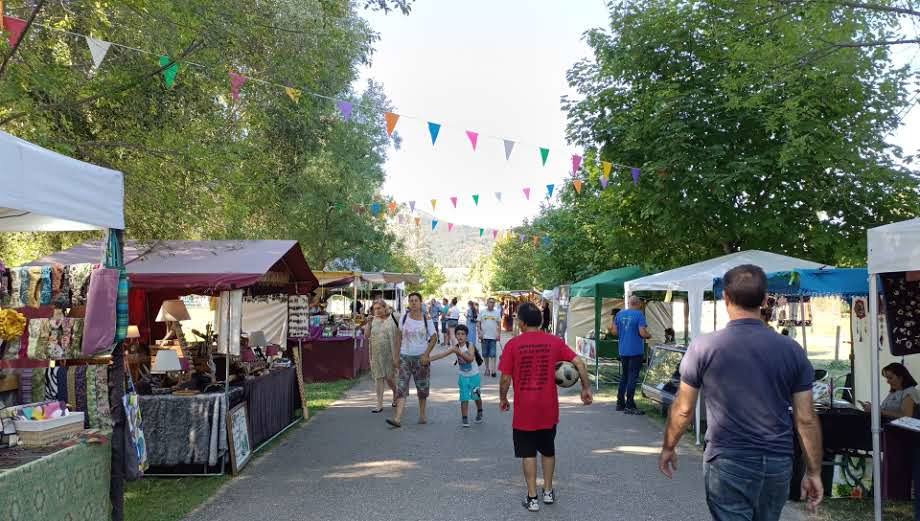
606	285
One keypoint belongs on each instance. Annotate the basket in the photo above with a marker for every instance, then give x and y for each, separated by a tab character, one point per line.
49	432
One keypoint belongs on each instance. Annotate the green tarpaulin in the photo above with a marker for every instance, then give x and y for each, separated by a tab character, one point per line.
608	284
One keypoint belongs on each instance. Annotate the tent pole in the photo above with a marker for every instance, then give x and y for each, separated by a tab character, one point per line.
804	335
598	308
876	411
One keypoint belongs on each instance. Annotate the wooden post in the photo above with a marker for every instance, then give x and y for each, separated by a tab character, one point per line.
837	345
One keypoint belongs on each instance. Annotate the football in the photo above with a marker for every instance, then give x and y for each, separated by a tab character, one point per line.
566	374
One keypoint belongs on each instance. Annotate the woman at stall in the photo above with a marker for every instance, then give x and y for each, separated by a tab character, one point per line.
903	396
453	318
383	333
472	318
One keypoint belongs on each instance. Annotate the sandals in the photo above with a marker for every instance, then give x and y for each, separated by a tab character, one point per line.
376	410
393	423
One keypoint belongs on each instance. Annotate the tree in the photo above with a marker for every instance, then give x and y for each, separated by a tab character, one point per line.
432	279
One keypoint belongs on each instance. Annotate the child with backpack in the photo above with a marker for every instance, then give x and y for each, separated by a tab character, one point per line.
468	379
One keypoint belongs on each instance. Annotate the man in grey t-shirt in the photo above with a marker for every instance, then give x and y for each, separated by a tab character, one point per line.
751	377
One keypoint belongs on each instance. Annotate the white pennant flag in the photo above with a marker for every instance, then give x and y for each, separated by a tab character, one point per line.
98	48
509	146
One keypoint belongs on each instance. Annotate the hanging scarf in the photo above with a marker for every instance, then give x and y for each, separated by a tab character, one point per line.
34	297
45	295
79	277
15	296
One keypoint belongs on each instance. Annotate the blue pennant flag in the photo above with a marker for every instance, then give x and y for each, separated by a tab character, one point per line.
549	190
375	209
434	129
434	224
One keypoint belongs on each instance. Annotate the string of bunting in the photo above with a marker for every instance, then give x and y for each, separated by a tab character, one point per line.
237	80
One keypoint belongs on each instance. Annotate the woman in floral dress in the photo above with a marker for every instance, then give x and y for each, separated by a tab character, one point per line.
383	334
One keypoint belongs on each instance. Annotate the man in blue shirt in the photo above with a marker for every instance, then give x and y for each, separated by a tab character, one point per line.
630	326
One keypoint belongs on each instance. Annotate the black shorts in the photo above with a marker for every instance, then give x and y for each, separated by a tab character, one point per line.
528	443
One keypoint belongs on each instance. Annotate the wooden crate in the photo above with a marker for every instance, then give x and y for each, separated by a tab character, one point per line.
49	432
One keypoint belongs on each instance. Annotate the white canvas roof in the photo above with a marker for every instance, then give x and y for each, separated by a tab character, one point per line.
895	247
43	191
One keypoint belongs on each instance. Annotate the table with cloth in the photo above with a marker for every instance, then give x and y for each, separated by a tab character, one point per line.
271	401
74	480
327	359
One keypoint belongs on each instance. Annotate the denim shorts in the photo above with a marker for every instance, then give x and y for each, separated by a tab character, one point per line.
489	347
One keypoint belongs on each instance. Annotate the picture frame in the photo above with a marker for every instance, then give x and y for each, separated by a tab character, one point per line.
239	438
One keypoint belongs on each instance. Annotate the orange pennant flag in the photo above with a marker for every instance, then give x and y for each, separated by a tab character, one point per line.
608	166
434	204
418	221
392	206
536	241
578	184
391	118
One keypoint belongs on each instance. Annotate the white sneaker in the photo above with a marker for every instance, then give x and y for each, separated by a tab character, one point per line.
549	497
531	504
465	422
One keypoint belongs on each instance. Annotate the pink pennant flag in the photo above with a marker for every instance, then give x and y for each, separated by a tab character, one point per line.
473	137
236	83
453	200
527	193
15	26
576	163
494	234
450	227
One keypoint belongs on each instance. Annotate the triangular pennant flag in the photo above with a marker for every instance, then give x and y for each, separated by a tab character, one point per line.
544	153
236	83
434	129
498	195
453	201
549	190
523	237
546	241
392	206
576	163
473	137
494	234
170	72
608	166
635	175
293	93
434	204
401	218
418	221
578	184
450	227
476	199
391	118
411	206
98	48
375	209
527	193
604	182
434	224
15	27
482	231
536	241
509	147
345	107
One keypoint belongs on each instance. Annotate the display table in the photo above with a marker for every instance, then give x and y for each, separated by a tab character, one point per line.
898	445
328	359
271	401
72	483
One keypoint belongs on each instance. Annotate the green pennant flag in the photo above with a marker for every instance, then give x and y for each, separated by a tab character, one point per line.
482	231
476	200
544	153
170	72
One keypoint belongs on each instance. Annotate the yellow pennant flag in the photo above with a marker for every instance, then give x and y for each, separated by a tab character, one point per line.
578	184
434	204
292	93
608	166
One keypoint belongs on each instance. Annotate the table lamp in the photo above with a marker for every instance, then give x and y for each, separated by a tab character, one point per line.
133	334
166	361
172	312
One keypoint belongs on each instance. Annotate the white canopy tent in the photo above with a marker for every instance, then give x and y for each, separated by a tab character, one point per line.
43	191
892	248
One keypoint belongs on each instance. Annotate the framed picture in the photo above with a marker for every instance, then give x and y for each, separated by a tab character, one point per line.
238	438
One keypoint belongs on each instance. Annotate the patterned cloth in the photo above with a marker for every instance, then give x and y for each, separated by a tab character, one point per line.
57	279
383	335
121	307
34	295
15	296
55	337
72	337
45	288
78	278
411	367
39	337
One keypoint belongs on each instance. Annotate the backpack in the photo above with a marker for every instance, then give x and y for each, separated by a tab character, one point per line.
424	319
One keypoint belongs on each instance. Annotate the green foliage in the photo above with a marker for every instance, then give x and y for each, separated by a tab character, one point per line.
197	164
432	279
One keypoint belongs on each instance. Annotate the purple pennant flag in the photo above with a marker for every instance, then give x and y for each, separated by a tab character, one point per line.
345	107
604	182
411	206
523	237
635	176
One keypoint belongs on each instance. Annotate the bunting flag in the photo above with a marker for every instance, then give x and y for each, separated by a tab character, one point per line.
434	129
294	94
453	201
375	209
578	184
401	218
450	227
498	195
391	118
236	83
482	231
411	206
544	153
608	166
635	175
345	107
494	234
549	190
523	237
536	241
527	193
576	163
509	147
15	27
546	241
476	199
169	71
392	206
604	182
98	49
434	204
473	137
434	224
418	221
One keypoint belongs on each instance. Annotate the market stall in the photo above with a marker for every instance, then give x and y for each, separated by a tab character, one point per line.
53	334
191	382
591	303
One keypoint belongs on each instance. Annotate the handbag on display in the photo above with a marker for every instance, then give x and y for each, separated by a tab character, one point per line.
135	443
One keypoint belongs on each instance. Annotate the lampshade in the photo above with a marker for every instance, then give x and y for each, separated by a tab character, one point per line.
133	332
257	339
166	360
248	356
173	311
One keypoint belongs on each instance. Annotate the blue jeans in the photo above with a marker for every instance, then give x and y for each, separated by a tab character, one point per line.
629	379
472	336
747	488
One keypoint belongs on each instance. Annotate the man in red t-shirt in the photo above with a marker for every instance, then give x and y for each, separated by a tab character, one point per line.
529	360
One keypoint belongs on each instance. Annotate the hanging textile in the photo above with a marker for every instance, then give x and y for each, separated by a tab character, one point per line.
101	302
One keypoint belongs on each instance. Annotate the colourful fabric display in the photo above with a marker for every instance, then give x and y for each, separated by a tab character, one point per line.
55	337
103	411
57	279
45	290
38	386
122	320
39	336
101	301
72	337
78	275
80	391
23	275
35	286
92	416
72	386
51	383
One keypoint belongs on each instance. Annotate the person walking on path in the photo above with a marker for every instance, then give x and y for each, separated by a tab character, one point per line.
472	319
453	318
529	362
383	333
490	333
434	313
751	377
468	380
412	359
630	326
445	306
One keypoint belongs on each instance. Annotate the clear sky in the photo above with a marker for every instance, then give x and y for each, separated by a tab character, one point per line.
496	67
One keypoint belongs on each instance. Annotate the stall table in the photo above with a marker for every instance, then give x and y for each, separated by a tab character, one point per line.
328	359
271	401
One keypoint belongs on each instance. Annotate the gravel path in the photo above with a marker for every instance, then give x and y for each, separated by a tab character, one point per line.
348	465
